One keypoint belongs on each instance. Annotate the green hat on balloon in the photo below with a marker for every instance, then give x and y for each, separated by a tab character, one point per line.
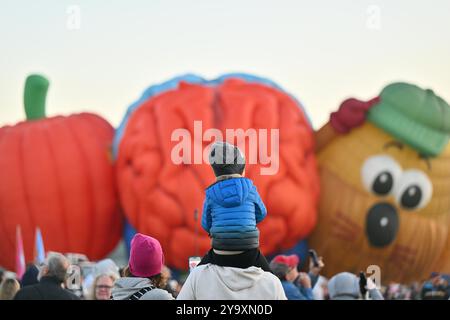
414	116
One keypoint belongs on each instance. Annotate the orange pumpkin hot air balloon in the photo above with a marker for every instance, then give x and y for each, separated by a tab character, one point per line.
159	196
56	174
385	185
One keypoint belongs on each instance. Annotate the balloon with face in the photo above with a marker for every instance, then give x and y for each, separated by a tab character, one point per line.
385	185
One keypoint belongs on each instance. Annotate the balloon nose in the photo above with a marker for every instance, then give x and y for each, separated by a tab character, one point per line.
382	224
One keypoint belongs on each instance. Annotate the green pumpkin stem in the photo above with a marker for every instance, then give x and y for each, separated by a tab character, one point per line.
35	92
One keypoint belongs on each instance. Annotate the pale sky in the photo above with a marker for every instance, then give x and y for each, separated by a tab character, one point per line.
320	51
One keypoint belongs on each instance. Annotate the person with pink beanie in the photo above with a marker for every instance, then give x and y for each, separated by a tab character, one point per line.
142	277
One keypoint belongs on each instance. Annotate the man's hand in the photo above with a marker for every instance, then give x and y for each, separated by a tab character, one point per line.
304	280
316	270
370	284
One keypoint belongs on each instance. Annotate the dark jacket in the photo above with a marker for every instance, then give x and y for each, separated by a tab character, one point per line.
244	260
231	210
30	276
49	288
431	292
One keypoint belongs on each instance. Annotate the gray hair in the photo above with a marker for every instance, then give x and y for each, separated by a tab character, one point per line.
57	265
106	267
279	269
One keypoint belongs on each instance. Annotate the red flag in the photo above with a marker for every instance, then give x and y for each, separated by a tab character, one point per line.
20	255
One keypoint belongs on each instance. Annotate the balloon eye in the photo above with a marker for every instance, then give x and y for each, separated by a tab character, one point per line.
414	190
379	174
383	183
411	197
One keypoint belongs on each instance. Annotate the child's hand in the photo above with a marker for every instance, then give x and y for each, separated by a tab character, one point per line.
316	270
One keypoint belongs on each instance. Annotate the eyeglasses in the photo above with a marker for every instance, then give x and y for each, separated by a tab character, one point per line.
103	287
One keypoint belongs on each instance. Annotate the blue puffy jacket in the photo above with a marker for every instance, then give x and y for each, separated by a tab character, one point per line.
231	210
